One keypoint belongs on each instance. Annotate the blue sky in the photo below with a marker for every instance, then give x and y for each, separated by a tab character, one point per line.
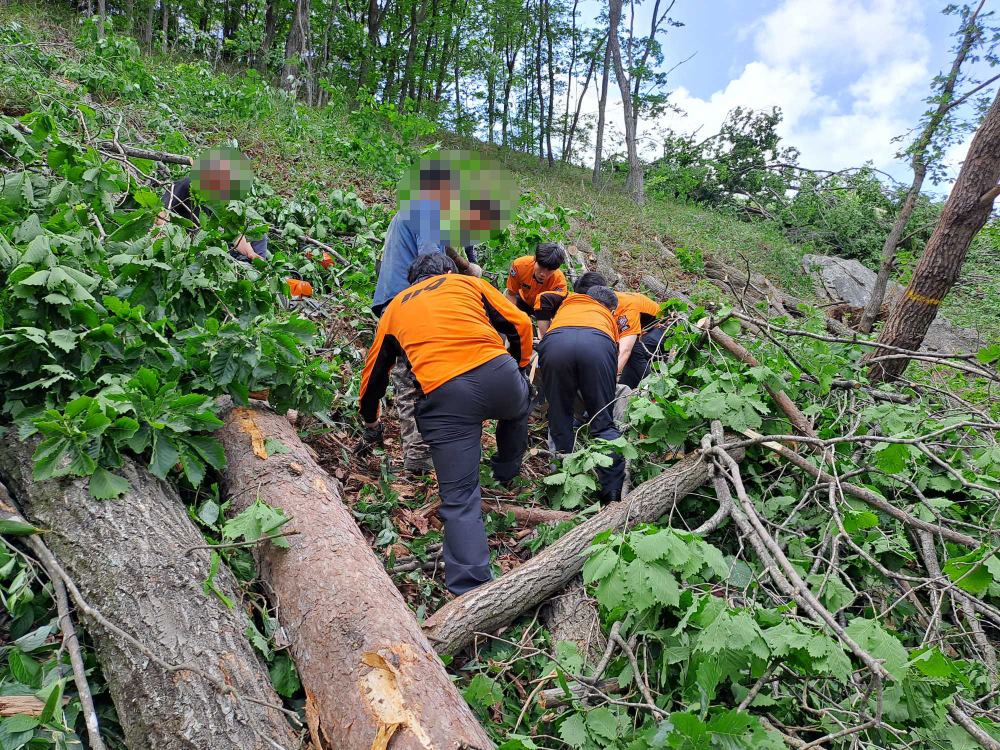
849	74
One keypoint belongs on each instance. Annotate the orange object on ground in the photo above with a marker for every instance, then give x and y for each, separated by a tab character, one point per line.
299	288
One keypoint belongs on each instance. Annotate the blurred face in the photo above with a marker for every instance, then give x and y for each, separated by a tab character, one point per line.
440	192
217	180
475	218
542	274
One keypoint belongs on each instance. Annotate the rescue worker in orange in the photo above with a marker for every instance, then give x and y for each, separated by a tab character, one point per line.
531	275
639	333
578	355
448	327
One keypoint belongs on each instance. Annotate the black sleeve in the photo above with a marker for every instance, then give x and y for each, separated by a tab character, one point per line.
646	320
177	198
505	327
373	388
548	306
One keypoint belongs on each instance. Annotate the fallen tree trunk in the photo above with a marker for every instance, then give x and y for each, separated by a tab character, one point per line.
128	558
499	602
572	616
526	516
366	667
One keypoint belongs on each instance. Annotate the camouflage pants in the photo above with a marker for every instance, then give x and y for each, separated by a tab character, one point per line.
404	384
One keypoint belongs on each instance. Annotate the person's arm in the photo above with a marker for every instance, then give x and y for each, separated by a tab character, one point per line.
625	346
244	248
546	306
375	377
511	296
509	321
512	286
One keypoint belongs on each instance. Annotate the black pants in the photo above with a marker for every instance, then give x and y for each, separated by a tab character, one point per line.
450	419
638	363
584	361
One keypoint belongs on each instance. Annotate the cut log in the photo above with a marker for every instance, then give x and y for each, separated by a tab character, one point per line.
129	560
145	153
526	516
499	602
11	705
368	669
556	697
572	616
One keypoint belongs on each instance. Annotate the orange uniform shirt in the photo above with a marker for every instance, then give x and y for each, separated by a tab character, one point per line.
581	311
444	326
635	312
521	280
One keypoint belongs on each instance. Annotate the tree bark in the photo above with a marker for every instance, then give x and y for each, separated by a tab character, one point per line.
270	31
511	60
569	79
571	130
415	20
552	80
148	30
573	616
967	210
129	558
361	657
602	109
538	81
297	43
634	181
166	23
892	241
501	601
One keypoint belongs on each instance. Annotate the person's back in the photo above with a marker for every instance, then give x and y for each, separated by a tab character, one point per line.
635	313
412	232
447	325
578	355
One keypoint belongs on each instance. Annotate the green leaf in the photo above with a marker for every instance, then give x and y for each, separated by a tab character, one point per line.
25	669
106	486
599	565
483	691
209	448
729	728
52	695
65	340
209	512
891	457
283	675
20	723
869	635
13	527
273	447
663	585
209	587
602	723
36	638
165	455
610	591
574	731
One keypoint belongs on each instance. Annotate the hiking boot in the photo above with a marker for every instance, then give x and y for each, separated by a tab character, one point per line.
417	467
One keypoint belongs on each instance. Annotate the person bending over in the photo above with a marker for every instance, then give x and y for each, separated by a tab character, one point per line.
448	327
531	275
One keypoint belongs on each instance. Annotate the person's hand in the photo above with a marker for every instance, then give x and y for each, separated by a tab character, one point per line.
371	437
475	270
244	248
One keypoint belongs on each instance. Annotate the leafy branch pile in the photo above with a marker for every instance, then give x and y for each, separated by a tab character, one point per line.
836	591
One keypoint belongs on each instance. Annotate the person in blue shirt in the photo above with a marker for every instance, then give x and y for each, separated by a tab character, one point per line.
414	230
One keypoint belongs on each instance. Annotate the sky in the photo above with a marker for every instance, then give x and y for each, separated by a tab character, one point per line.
849	75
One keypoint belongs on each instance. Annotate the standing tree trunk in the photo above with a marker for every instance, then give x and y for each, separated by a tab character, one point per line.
511	60
427	51
569	80
102	9
538	81
166	24
945	103
967	210
602	108
552	80
366	666
571	131
131	559
415	20
150	20
634	181
297	44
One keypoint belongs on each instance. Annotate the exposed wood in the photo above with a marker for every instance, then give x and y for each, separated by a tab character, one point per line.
358	648
127	558
572	615
11	705
499	602
526	516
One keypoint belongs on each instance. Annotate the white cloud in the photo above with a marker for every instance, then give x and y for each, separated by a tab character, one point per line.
842	71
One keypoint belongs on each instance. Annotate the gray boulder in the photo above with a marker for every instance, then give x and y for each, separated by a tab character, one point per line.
849	282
